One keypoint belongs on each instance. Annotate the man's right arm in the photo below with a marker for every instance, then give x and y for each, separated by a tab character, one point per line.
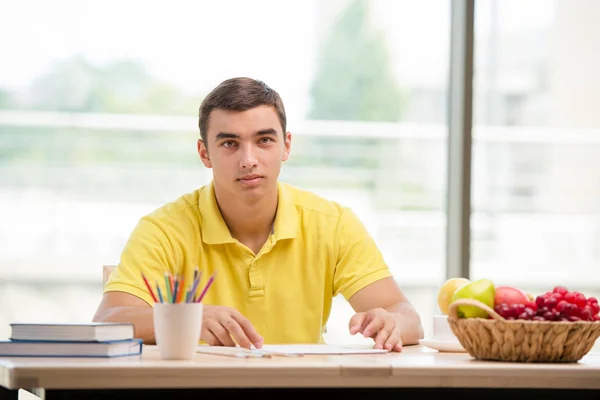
149	250
125	307
126	299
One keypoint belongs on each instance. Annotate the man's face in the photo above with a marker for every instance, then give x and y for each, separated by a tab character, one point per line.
245	149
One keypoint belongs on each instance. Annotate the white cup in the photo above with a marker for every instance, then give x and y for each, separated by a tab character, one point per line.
177	328
442	330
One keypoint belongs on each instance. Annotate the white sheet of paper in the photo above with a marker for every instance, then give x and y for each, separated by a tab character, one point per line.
322	349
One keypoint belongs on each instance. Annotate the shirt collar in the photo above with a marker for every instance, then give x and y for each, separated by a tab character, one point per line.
215	231
286	221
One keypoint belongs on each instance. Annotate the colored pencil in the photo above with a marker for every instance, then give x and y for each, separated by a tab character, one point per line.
175	288
194	289
149	289
168	289
181	289
210	281
172	286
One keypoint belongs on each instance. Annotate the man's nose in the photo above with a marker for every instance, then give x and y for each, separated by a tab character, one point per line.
248	157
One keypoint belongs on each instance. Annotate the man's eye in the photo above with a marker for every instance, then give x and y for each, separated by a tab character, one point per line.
266	140
228	143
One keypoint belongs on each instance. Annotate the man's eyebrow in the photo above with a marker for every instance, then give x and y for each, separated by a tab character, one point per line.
226	135
269	131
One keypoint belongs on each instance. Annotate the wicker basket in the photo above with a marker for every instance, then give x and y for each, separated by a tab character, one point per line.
499	339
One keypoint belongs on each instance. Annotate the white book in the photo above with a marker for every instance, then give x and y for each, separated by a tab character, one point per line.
70	349
72	332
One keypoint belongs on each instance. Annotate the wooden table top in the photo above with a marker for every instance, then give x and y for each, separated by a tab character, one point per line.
415	366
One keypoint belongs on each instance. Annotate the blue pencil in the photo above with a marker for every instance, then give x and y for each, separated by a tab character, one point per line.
160	298
175	289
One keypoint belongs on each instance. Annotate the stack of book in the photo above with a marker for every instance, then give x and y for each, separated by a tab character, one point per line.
95	339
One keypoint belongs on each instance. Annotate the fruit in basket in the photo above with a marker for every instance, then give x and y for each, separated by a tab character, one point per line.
560	304
447	290
510	295
514	303
482	290
525	311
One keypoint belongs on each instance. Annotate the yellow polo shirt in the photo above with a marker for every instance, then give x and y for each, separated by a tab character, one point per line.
317	250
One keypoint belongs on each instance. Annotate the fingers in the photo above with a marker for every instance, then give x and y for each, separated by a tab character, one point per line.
356	323
382	336
374	326
209	338
384	331
226	326
393	341
234	329
221	334
246	334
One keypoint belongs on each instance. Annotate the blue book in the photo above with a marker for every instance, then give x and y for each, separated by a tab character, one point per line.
32	348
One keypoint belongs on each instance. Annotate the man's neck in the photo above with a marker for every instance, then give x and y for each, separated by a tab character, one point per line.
250	222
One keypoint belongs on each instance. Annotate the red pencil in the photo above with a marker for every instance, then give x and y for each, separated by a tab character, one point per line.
150	289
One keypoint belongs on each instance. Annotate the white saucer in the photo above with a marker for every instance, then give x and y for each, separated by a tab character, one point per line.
450	346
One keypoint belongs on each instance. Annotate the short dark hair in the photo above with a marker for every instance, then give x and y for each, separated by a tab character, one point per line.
239	94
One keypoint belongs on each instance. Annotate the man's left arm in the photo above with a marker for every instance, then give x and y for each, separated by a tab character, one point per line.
361	274
386	315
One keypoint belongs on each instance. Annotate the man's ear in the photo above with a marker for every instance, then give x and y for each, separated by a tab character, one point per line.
287	146
203	153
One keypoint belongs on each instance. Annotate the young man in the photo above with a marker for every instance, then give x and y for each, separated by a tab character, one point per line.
281	253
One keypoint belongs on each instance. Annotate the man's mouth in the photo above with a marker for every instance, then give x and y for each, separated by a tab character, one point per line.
250	177
250	180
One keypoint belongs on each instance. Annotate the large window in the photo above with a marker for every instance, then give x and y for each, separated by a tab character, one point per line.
536	171
98	127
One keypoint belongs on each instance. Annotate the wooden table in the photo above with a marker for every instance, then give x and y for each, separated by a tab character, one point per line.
416	371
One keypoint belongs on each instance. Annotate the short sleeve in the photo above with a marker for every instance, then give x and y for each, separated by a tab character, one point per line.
359	261
148	251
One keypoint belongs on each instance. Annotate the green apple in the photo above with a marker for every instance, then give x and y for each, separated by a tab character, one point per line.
482	290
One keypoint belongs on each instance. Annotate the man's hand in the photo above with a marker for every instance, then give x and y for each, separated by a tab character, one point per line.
380	325
225	326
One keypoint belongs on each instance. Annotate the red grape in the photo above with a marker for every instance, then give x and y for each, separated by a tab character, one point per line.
532	305
571	297
580	299
551	302
560	289
517	309
540	301
586	313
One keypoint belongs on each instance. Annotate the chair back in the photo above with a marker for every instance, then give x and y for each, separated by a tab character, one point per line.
106	271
